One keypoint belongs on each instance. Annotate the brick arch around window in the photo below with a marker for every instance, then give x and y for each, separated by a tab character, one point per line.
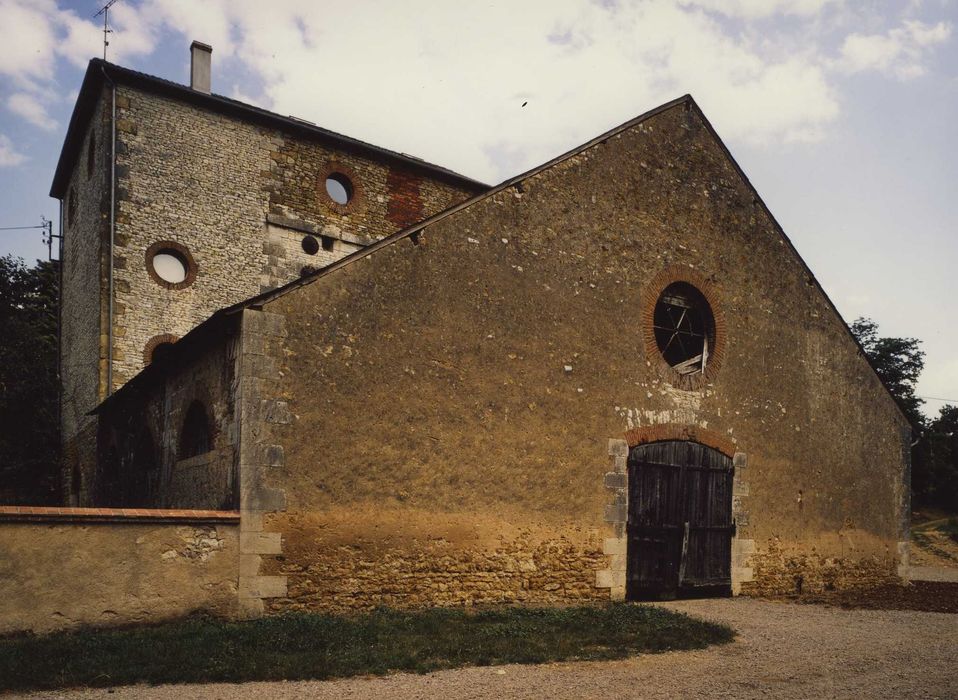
337	170
154	342
648	300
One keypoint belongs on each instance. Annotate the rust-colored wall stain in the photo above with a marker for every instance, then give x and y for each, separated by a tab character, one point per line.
405	206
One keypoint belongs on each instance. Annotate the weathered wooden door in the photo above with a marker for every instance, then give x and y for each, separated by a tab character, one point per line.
680	521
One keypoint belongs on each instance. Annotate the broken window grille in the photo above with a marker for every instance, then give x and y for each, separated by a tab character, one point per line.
684	328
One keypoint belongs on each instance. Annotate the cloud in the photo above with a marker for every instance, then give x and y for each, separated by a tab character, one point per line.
27	54
448	75
760	9
30	108
443	81
9	156
901	52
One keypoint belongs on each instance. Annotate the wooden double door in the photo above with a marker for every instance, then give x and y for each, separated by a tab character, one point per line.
680	521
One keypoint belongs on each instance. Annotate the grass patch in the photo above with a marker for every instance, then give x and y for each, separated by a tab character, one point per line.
311	646
938	537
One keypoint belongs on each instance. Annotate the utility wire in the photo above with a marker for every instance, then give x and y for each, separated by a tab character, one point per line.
20	228
937	398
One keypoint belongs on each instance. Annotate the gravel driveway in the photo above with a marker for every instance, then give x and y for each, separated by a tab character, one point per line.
783	651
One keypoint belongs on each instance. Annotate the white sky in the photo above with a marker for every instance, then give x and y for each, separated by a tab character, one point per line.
844	114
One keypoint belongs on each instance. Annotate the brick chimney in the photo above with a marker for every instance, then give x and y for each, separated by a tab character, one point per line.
200	60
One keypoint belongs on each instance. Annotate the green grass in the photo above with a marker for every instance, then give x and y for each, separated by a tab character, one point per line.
311	646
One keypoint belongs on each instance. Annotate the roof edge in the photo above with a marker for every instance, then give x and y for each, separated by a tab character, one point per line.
273	294
99	71
798	256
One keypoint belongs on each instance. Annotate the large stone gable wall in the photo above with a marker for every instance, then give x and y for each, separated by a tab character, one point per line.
486	364
82	317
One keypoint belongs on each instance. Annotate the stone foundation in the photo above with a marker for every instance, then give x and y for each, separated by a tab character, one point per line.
331	566
783	570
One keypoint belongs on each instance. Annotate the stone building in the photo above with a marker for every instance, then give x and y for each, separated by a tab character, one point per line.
207	201
609	377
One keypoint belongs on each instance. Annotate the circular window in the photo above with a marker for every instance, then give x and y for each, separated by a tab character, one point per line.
170	265
684	328
339	188
310	245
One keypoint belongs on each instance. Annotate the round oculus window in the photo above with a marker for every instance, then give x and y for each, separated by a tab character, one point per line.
170	266
684	328
310	245
339	188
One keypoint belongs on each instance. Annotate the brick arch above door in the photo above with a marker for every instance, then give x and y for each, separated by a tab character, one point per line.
680	431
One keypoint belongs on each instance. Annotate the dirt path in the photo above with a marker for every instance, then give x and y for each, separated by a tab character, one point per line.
783	651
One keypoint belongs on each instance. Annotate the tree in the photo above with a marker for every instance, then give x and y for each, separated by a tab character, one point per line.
940	452
29	424
898	361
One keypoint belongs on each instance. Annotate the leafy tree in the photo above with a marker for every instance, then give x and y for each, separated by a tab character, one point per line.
29	424
934	457
898	361
940	452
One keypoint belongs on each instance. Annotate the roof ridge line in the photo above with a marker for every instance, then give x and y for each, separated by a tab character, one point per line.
273	294
223	105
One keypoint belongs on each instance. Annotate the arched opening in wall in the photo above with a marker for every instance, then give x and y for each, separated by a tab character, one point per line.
679	525
158	348
339	188
161	351
684	328
142	477
196	437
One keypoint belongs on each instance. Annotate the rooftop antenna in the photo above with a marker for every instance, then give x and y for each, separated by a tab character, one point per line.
105	11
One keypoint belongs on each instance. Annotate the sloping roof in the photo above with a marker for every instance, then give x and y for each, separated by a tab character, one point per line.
99	72
264	298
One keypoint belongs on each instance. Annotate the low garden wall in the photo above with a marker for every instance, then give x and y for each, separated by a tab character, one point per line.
73	567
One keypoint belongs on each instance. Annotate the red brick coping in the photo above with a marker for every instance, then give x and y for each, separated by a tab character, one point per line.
115	515
676	431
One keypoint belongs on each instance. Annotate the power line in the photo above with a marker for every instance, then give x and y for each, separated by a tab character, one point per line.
938	398
21	228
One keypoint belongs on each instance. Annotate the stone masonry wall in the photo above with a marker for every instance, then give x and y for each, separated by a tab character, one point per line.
206	481
85	236
210	183
344	560
192	177
466	384
238	197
